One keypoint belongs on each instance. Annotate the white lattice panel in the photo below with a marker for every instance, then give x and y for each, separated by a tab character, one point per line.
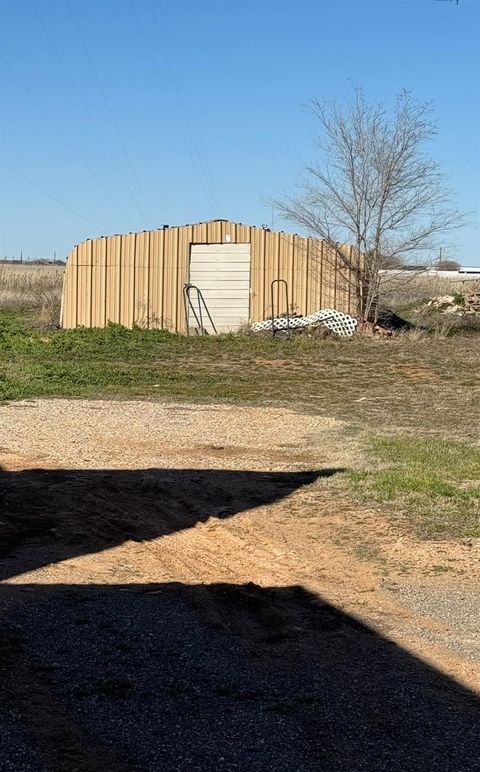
341	324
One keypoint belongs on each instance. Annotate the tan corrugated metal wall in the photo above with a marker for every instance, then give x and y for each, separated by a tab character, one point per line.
138	278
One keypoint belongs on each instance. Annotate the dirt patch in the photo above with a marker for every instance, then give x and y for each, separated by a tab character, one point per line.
274	362
138	493
418	373
133	434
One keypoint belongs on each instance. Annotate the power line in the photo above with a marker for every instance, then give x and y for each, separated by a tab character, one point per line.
51	195
82	100
186	106
112	115
186	142
62	133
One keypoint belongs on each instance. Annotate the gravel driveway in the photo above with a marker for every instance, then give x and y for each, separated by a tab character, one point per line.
174	597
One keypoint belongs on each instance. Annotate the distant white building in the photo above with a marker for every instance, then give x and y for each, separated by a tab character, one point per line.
464	272
470	269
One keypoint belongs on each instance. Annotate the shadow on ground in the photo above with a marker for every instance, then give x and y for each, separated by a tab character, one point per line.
207	677
170	677
51	515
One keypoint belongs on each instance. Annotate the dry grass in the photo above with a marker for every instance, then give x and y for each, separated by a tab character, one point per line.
400	292
420	396
427	384
36	289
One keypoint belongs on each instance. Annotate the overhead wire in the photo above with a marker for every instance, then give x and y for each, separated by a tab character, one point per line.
59	129
200	174
185	105
85	106
112	116
51	195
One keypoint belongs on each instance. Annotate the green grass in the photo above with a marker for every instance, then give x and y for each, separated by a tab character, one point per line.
433	483
428	385
415	392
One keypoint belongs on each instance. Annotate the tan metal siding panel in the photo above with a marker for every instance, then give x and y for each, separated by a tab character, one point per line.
332	264
142	289
84	300
291	270
200	233
335	280
127	308
306	278
244	234
328	276
308	275
257	271
156	278
74	288
70	312
170	279
93	284
349	281
272	266
80	283
313	278
215	232
140	277
323	273
112	284
319	276
341	283
88	297
66	294
98	283
299	289
183	253
69	299
285	262
351	293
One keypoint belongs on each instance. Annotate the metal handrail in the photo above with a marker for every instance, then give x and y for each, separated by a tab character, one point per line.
272	291
188	304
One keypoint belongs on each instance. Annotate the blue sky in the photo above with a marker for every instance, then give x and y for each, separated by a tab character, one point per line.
121	115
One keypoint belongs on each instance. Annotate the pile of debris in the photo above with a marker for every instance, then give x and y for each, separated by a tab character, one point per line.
472	300
460	304
388	324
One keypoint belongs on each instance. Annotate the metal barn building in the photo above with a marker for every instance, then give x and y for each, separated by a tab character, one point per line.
139	278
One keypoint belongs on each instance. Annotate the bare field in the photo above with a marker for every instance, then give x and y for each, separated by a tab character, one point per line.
400	292
33	288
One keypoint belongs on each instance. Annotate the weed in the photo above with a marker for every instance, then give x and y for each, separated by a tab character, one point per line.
432	482
410	290
364	381
34	290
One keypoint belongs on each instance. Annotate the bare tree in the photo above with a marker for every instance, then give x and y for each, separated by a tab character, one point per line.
374	187
448	265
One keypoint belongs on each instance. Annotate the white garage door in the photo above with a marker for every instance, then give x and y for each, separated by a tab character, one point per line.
222	273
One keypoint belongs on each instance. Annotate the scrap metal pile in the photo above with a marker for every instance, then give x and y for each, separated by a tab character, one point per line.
339	323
